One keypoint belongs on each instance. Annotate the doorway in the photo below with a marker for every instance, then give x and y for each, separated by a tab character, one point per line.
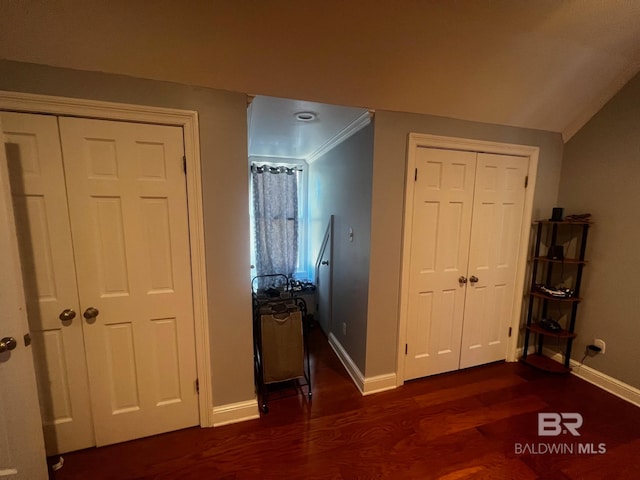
333	145
303	136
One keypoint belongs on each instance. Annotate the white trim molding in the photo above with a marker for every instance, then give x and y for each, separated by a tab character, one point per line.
348	131
605	382
379	383
347	361
366	386
188	121
235	413
602	380
416	140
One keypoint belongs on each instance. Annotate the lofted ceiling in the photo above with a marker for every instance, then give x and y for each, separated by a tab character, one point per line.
543	64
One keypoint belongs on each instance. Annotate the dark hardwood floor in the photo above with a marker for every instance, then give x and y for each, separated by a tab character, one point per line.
470	424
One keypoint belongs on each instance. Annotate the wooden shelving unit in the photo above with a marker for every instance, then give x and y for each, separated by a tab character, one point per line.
542	271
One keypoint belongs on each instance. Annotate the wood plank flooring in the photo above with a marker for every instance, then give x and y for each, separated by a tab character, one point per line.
462	425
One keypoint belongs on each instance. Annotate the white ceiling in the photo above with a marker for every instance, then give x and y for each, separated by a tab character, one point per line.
275	132
543	64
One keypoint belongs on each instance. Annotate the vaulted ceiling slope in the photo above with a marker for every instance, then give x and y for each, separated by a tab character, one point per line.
543	64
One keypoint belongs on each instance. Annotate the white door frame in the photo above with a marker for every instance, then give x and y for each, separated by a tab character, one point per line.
453	143
188	121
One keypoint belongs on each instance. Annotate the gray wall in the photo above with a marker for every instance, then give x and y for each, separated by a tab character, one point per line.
367	195
389	162
223	137
340	185
600	175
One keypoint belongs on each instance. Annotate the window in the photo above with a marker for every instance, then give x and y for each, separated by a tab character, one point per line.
278	209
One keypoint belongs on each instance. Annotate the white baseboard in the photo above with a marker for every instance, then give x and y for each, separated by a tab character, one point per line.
379	383
602	380
599	379
235	412
349	364
367	386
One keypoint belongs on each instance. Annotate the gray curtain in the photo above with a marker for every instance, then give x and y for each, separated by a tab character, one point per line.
275	210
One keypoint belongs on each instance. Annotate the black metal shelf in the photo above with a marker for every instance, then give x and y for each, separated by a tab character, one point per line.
546	266
534	327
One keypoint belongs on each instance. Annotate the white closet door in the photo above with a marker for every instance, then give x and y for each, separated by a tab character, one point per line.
42	220
466	224
127	201
495	239
22	454
442	209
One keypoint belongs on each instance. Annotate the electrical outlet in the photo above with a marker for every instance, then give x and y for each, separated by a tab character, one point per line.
344	328
598	342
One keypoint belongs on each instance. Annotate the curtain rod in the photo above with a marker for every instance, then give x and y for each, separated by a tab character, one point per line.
275	166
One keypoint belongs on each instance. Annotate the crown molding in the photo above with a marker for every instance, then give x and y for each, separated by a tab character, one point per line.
348	131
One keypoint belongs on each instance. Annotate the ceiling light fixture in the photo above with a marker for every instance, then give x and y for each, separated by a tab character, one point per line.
305	116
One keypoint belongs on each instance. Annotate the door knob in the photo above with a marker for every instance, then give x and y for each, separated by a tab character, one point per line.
473	279
8	343
67	314
90	313
324	262
462	279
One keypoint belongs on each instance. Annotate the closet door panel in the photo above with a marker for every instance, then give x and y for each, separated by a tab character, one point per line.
441	223
46	250
495	239
128	208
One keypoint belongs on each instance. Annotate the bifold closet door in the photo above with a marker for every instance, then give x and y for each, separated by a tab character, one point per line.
466	226
101	213
498	208
128	207
32	143
22	452
442	212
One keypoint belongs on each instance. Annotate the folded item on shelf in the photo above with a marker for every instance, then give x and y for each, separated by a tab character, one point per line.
553	291
578	217
549	324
